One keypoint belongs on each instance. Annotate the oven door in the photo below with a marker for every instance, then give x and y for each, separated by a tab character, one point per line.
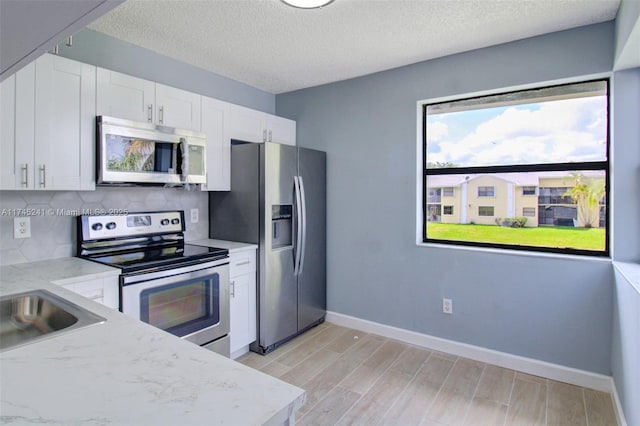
191	304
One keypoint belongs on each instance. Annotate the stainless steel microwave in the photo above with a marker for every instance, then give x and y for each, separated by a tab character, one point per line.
130	152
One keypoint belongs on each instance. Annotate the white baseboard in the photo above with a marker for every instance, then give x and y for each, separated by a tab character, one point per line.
617	406
532	366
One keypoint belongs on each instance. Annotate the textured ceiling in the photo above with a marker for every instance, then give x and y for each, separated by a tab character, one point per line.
277	48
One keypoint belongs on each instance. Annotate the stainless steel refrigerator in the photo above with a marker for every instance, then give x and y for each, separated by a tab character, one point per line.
278	201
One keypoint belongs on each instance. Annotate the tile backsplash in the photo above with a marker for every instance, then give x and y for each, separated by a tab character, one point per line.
53	223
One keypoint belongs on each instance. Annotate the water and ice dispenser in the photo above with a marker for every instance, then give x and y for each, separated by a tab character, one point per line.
281	226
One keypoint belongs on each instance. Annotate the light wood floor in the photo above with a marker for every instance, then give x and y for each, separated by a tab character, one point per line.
353	377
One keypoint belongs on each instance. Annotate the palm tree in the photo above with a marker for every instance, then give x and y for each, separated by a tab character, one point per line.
137	156
587	194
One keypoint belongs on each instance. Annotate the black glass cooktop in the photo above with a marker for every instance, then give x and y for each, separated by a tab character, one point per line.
157	257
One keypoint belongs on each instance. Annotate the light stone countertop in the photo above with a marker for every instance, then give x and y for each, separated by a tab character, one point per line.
232	246
124	371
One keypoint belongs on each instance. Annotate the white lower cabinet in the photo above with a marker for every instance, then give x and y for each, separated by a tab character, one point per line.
242	273
101	290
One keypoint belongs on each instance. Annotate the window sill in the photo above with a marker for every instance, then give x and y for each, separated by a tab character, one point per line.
524	253
630	272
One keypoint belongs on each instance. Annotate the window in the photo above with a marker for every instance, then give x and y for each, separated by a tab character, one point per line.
548	146
448	210
434	195
486	191
485	211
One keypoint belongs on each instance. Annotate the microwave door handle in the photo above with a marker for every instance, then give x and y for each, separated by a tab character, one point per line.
185	160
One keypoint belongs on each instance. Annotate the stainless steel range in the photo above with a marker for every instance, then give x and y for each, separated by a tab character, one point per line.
177	287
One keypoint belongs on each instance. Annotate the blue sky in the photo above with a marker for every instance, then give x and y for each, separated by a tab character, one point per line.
546	132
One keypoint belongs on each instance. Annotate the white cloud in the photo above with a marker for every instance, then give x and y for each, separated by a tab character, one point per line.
557	131
437	131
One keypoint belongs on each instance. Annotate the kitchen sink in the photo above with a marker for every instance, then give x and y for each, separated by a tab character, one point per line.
39	314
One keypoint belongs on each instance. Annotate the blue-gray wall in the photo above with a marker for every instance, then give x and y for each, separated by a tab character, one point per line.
98	49
626	166
627	20
625	356
549	308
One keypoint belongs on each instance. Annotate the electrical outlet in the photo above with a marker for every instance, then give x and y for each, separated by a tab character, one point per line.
21	227
195	215
447	306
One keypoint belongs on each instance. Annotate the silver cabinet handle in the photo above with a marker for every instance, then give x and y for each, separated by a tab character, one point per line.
161	115
264	135
270	139
246	262
150	113
43	176
232	288
25	170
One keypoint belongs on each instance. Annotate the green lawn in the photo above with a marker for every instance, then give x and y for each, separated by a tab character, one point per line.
561	237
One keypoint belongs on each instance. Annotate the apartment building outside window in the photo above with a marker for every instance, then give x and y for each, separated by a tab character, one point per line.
535	158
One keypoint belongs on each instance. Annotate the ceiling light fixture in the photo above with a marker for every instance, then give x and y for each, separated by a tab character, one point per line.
307	4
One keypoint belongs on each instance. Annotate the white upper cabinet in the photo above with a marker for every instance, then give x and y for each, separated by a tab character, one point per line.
48	111
255	126
218	146
9	167
245	124
64	124
281	130
177	108
123	96
48	115
17	127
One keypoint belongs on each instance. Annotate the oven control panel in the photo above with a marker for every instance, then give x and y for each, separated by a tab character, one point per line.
127	225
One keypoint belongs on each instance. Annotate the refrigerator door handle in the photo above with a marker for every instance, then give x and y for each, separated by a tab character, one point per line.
298	245
303	209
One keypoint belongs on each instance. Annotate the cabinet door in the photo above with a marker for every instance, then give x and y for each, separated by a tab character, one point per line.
17	104
65	121
177	108
10	176
91	289
281	130
244	124
123	96
111	292
240	312
218	146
